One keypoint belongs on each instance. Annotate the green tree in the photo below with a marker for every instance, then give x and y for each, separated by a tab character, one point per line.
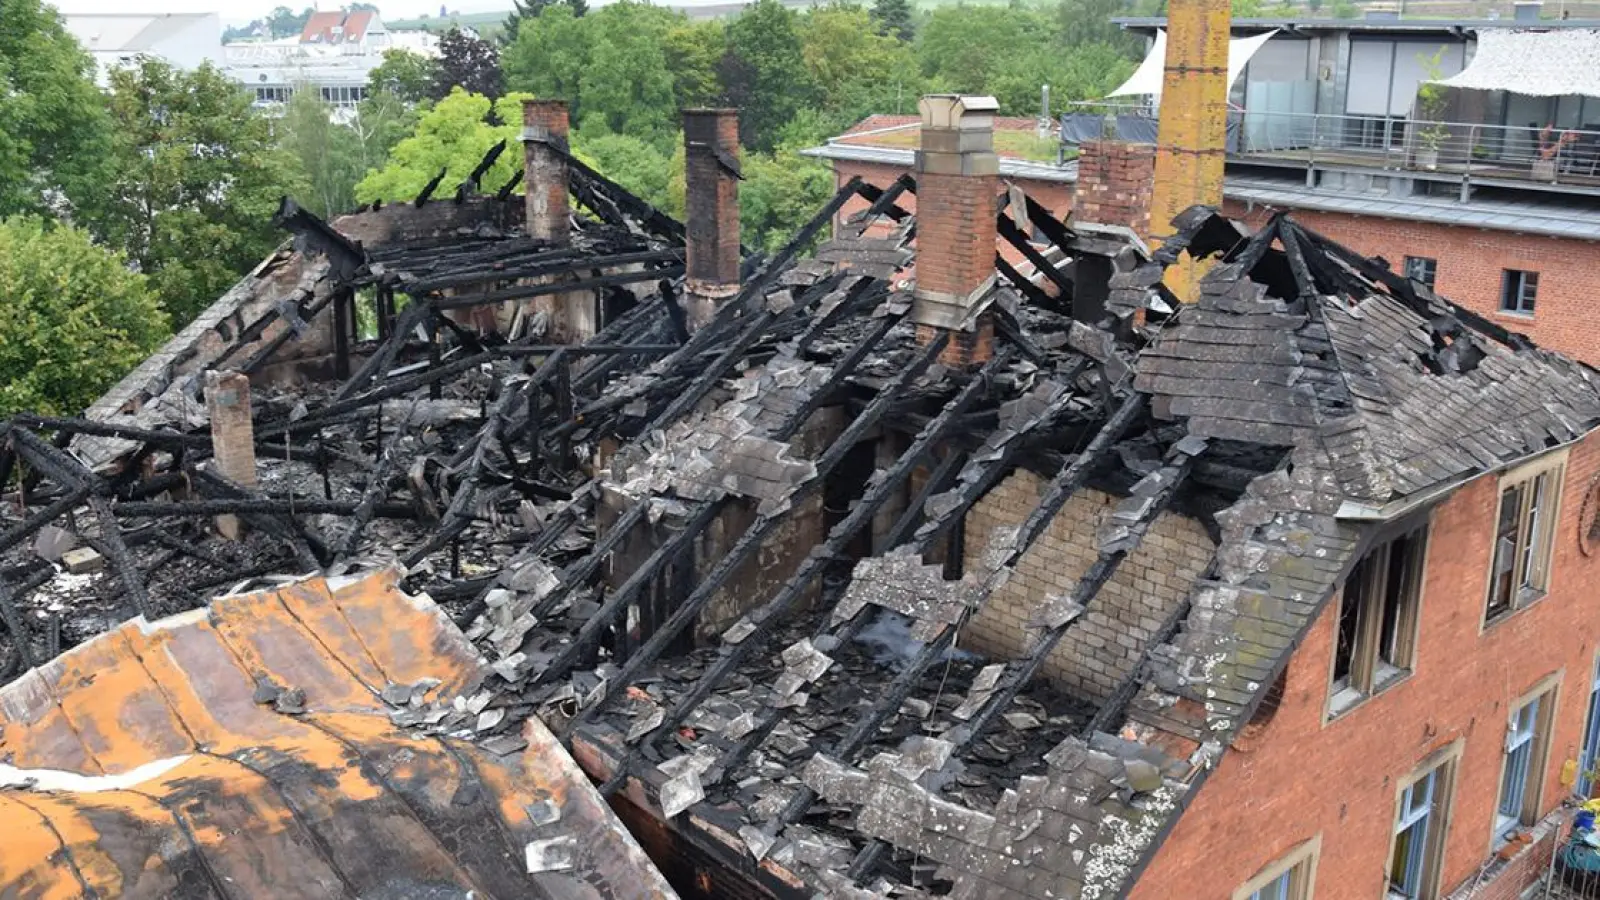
53	127
961	47
1089	22
636	164
1085	72
467	62
549	55
894	19
334	155
198	176
764	72
453	135
284	22
407	75
527	10
781	191
1345	9
843	53
625	83
1247	9
692	50
1314	5
76	318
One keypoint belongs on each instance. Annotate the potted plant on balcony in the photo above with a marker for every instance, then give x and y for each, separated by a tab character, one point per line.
1432	101
1550	146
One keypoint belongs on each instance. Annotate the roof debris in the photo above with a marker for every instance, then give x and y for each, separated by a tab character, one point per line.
585	508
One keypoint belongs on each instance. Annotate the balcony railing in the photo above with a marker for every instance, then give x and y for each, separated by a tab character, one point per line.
1469	151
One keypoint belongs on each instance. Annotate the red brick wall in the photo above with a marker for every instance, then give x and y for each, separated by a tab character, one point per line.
1114	184
1298	777
1471	261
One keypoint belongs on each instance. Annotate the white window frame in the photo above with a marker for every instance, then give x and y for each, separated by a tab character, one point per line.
1436	776
1589	756
1524	759
1532	551
1292	876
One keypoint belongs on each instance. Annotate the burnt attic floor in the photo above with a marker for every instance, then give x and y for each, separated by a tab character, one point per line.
560	500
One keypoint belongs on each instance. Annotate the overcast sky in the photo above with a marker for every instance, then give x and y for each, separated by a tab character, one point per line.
237	12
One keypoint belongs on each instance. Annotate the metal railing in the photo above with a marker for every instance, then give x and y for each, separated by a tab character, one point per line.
1470	150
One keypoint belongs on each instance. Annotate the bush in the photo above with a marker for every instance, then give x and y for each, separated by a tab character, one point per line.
75	320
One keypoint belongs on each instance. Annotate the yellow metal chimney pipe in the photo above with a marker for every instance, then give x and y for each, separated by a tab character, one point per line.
1192	136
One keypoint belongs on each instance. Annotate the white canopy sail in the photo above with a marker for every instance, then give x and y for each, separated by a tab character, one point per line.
1147	78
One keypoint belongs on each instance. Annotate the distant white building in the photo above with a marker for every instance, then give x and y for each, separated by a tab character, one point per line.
335	54
184	40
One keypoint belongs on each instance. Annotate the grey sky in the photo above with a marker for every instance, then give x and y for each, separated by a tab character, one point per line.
239	11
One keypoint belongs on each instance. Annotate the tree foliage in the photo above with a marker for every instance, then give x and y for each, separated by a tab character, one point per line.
549	55
284	22
844	53
610	66
525	10
453	136
763	70
334	155
467	62
53	127
76	318
198	175
894	19
692	50
408	75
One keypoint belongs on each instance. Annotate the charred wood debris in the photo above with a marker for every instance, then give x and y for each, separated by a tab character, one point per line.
504	472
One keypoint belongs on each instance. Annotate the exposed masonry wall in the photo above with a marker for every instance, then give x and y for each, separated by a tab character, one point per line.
1298	776
1103	646
781	553
1472	262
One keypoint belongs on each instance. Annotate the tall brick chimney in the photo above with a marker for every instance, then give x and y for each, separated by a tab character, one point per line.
958	180
711	166
1114	184
544	129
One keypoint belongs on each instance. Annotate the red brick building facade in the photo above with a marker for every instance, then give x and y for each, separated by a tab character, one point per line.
1313	798
1306	782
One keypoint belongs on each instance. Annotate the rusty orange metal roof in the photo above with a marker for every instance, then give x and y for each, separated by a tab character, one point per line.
246	751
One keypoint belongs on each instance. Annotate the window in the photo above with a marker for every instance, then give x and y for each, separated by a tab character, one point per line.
1422	268
1589	759
1290	878
1420	822
1524	533
1521	776
1378	612
1518	290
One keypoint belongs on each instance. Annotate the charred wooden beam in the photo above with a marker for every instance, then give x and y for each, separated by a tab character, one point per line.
707	511
772	612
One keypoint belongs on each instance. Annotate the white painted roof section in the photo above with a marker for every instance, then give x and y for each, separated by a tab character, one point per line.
1146	80
1537	63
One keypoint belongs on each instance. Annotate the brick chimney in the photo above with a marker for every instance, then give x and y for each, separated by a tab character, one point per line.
544	129
232	436
1115	179
711	166
958	180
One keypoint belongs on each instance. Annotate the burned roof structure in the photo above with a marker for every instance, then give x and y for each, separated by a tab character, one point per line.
723	556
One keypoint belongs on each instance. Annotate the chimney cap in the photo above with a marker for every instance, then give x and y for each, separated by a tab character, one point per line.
949	110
